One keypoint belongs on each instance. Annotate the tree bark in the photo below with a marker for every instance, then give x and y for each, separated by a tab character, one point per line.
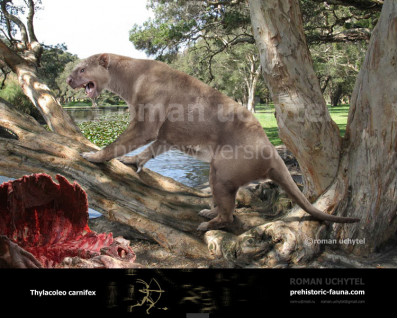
368	172
41	96
305	125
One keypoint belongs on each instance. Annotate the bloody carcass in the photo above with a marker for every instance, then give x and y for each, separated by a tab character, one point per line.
44	224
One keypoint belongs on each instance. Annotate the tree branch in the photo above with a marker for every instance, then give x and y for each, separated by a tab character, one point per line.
31	14
10	58
352	35
224	2
14	19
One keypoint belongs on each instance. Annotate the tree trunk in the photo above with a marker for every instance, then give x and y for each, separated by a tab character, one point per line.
365	183
250	99
305	125
335	96
368	173
251	83
40	95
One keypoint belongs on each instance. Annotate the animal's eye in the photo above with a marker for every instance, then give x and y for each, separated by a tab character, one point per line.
82	70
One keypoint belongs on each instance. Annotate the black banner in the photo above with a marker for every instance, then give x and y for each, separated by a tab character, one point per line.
244	293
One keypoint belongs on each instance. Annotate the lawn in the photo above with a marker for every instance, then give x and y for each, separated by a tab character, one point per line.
265	114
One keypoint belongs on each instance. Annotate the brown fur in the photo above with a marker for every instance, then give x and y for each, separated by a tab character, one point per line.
176	110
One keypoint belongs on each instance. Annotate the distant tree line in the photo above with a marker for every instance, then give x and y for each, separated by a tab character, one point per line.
214	42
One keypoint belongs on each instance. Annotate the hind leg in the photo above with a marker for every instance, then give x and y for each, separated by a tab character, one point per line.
209	213
224	194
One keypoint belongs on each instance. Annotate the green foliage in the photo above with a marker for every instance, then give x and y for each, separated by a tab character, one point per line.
105	130
337	66
231	72
13	93
154	38
53	62
179	24
325	22
210	36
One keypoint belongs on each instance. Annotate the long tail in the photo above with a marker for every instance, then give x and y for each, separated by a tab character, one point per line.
282	177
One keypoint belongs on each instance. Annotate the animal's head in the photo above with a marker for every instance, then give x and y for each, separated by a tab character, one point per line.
92	74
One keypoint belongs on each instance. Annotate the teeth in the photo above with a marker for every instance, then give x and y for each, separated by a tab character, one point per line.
88	88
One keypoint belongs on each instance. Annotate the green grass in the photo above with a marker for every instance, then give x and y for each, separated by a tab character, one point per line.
266	117
265	114
339	114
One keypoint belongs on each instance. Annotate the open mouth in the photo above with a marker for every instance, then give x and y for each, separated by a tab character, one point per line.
90	89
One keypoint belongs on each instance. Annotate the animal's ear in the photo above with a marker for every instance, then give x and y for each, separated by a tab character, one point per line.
104	60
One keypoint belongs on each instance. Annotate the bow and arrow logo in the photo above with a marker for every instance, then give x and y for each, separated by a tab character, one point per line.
152	292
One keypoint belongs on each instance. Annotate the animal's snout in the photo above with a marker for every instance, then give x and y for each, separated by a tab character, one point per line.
69	80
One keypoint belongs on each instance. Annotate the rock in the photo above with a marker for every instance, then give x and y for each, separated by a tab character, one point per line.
245	197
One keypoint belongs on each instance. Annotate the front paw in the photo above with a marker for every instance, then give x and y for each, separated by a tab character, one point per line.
128	160
132	160
208	213
203	227
92	157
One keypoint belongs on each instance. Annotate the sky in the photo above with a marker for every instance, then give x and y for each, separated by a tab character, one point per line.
89	27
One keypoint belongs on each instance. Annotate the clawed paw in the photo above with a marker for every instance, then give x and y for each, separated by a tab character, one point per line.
208	213
203	227
133	161
91	157
127	160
